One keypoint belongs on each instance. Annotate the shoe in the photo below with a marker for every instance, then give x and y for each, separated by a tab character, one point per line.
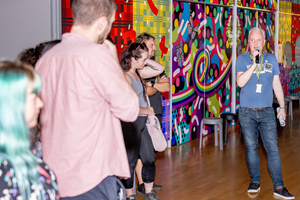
132	197
283	193
253	187
151	196
157	187
141	189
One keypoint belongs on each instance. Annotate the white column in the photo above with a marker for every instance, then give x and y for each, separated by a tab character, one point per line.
170	49
276	30
233	54
55	19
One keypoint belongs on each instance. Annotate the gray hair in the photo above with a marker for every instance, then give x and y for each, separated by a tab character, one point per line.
258	29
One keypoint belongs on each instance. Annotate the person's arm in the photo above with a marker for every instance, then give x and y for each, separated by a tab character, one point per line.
163	85
146	111
279	95
150	90
152	70
112	48
242	78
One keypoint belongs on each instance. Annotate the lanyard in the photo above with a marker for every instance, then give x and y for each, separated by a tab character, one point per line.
260	67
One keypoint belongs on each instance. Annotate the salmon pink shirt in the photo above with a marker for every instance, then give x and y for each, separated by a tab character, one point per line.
85	96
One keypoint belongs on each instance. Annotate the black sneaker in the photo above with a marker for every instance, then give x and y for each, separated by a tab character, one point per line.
141	189
253	187
283	193
151	196
157	187
132	197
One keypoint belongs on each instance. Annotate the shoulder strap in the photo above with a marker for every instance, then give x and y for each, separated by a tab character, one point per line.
148	101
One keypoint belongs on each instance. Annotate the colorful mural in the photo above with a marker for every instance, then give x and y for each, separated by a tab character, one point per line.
284	37
286	6
289	25
261	4
201	51
154	17
220	2
66	16
246	21
201	65
266	21
131	19
122	29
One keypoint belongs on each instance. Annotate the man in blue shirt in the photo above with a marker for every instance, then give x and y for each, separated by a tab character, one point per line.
257	82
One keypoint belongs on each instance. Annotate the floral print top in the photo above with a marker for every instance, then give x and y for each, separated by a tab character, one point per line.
9	187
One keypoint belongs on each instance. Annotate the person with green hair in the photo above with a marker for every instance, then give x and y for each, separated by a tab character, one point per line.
22	175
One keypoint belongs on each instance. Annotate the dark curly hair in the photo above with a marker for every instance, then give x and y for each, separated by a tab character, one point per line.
30	56
135	51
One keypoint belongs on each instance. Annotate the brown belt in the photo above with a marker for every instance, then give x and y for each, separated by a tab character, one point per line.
258	108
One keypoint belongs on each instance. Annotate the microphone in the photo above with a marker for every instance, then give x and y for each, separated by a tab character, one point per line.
281	120
257	57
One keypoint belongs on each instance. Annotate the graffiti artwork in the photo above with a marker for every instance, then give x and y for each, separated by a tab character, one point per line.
201	65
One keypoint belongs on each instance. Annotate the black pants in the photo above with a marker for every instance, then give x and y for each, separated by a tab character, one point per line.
110	188
139	144
159	118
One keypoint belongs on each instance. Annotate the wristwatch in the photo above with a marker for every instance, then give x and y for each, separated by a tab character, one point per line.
152	83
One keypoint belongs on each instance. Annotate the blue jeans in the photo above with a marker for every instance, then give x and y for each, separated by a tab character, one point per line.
264	121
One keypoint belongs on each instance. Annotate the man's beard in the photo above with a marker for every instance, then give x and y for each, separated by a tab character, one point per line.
102	37
153	54
152	57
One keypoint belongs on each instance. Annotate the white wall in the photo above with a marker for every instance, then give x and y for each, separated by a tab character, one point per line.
23	24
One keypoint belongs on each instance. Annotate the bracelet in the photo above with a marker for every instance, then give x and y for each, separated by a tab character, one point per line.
281	107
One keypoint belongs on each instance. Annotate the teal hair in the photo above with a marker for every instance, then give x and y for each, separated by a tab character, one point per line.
14	133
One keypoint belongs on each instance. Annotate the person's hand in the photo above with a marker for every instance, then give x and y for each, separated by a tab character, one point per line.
111	47
255	53
150	111
281	112
164	79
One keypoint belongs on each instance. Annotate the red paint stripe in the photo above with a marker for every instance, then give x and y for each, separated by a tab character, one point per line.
162	46
152	7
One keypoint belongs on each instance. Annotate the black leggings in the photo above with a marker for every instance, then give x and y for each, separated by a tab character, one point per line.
139	144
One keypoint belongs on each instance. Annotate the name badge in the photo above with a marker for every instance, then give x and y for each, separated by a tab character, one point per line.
258	88
268	67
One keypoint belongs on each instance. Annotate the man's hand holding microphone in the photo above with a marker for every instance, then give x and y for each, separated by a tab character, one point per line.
256	55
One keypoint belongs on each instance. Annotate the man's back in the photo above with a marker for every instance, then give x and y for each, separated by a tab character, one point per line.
85	95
